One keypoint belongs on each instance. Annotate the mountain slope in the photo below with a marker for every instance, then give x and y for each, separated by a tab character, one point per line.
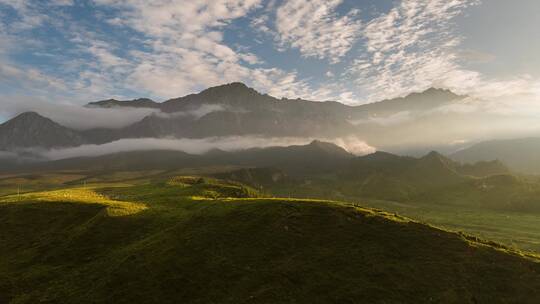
161	246
33	130
522	154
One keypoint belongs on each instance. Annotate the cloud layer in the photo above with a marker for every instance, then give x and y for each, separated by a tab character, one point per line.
73	116
196	146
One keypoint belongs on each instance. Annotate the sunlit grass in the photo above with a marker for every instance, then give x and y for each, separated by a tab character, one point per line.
78	196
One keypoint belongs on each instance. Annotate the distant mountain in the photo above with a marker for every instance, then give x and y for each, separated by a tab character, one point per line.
33	130
426	100
228	110
521	154
431	179
484	168
240	110
239	96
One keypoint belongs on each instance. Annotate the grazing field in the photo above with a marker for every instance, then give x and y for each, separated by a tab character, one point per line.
202	240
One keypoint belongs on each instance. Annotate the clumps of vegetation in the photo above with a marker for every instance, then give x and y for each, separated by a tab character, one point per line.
186	181
211	188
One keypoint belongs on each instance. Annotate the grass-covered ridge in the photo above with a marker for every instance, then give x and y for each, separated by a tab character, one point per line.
77	196
211	241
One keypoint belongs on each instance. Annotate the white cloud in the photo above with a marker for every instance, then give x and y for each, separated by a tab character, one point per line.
29	78
196	146
315	28
199	112
73	116
62	2
387	121
410	48
415	46
180	50
28	18
192	146
185	50
354	145
84	118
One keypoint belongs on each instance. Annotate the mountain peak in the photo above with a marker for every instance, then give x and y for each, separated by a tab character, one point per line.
235	95
30	129
29	114
380	156
436	156
237	84
27	117
328	147
433	91
433	154
230	88
436	90
435	159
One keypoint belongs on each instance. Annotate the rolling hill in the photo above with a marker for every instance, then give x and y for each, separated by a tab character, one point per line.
314	158
321	169
202	241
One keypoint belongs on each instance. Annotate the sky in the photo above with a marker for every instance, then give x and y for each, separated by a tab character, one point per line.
352	51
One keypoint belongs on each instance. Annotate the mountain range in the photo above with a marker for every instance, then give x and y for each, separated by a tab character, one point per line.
228	110
237	110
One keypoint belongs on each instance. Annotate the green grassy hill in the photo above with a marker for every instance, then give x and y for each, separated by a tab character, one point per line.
192	240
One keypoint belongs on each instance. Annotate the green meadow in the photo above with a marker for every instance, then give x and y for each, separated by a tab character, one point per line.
166	238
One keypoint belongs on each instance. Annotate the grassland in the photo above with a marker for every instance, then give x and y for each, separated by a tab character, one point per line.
505	212
515	229
192	240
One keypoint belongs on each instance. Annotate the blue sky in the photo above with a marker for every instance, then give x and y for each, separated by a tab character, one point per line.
354	51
